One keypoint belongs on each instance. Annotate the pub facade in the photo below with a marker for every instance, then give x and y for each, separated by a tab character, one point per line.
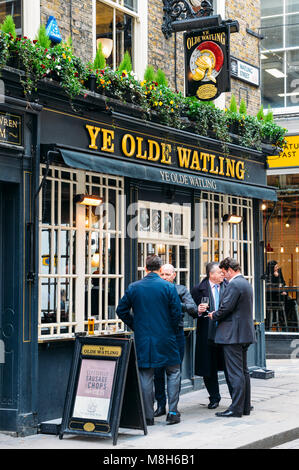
153	189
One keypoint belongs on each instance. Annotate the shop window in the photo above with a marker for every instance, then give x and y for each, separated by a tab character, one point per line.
282	255
164	230
13	8
219	239
115	29
81	269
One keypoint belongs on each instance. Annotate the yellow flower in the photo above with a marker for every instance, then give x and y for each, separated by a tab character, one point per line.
172	110
63	56
171	102
69	58
156	103
160	103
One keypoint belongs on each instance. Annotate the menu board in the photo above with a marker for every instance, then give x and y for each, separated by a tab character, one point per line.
94	390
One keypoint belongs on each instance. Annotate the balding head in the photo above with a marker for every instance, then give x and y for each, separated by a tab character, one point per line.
168	272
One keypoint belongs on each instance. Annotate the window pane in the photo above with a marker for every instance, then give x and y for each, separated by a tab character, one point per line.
14	9
271	7
131	4
292	31
105	26
124	34
273	86
292	6
293	78
272	30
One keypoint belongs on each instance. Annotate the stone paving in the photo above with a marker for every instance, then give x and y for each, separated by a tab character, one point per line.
273	422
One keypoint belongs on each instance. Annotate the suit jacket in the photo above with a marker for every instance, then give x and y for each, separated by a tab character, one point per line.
187	303
207	358
234	316
156	315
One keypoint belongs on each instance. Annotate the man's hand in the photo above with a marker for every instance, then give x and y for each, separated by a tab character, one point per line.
210	315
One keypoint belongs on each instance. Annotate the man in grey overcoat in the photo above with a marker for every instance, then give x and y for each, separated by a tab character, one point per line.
155	320
235	332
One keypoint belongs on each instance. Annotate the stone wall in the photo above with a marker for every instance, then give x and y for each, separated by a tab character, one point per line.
245	47
161	51
74	18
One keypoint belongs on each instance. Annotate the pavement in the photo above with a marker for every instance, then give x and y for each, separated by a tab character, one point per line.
273	423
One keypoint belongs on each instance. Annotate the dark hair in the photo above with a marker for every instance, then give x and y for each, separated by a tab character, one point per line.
210	267
230	263
153	263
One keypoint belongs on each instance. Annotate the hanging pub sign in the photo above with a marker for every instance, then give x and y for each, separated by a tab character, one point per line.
104	390
207	62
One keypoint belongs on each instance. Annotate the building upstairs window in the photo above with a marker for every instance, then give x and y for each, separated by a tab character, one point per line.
115	29
13	8
280	53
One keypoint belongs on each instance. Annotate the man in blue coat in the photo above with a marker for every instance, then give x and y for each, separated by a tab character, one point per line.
155	320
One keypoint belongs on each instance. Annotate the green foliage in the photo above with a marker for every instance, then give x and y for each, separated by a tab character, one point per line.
8	26
149	74
99	61
242	108
160	78
42	38
260	115
126	63
269	115
233	105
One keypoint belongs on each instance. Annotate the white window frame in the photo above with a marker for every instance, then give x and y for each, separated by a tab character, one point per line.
230	236
162	240
140	44
81	277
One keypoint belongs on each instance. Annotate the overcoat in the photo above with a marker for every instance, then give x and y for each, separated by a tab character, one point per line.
208	356
155	317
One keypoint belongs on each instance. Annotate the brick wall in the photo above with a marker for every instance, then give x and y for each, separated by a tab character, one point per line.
74	19
160	50
243	46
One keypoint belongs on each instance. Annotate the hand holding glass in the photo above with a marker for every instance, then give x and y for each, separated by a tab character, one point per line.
205	303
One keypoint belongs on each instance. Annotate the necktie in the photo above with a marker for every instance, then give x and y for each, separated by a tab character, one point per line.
216	296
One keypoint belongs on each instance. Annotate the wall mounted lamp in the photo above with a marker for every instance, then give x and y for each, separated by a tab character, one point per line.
88	200
107	46
232	219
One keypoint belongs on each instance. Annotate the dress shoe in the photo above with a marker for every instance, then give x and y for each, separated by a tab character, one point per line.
173	419
247	413
150	422
213	405
160	411
228	414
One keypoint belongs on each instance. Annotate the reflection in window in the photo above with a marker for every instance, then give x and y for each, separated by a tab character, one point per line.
115	30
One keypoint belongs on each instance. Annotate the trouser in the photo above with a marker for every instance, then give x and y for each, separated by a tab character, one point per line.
235	356
159	378
211	381
146	375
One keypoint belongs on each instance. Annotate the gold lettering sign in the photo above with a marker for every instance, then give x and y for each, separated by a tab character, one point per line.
147	149
98	350
10	128
89	427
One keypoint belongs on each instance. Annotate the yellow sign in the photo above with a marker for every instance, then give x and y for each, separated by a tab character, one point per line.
98	350
289	157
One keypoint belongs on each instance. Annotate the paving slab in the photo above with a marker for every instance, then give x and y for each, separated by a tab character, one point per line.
273	422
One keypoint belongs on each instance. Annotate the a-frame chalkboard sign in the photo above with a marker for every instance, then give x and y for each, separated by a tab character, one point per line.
103	391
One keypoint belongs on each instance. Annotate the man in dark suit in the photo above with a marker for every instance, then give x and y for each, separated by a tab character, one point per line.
156	315
236	332
208	355
188	306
